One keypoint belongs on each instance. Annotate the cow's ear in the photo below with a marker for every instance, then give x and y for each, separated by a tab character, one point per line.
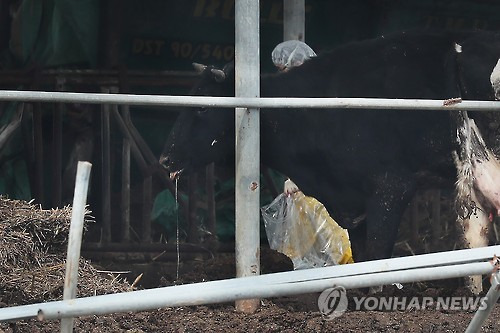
199	68
219	75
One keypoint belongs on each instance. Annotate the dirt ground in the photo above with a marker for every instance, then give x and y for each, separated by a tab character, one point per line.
285	314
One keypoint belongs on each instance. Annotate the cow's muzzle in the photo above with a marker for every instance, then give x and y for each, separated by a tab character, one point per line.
176	174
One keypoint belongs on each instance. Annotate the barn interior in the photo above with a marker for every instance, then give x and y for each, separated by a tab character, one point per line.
148	48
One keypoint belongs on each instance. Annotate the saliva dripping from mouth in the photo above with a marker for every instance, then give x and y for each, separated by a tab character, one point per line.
176	174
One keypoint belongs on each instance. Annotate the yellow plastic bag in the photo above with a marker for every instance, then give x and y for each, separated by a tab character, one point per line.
301	228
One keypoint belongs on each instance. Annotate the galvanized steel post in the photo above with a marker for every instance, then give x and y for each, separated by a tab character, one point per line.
106	171
247	187
487	304
75	237
294	20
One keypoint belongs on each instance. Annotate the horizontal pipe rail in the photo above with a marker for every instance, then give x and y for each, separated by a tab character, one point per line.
227	291
433	266
247	102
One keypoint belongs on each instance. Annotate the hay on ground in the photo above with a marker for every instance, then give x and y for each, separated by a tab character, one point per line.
33	244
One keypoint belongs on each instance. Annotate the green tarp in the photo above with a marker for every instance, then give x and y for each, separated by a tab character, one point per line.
52	33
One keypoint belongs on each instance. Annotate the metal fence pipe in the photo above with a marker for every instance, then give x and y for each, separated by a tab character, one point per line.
75	237
452	258
38	162
199	294
247	145
393	264
106	173
294	20
125	197
229	290
486	308
57	148
247	102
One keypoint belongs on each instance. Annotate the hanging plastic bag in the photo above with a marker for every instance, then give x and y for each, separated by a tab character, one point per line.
301	228
291	53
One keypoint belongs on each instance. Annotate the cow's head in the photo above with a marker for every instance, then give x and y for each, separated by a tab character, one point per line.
205	134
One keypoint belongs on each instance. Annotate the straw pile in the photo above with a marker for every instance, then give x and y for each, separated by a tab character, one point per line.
33	246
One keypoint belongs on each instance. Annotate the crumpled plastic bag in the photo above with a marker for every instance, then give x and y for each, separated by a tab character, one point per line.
291	53
301	228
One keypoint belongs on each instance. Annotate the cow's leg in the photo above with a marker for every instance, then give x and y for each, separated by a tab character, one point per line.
384	211
476	230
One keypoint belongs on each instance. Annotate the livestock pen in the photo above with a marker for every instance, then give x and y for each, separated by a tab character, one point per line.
271	290
242	289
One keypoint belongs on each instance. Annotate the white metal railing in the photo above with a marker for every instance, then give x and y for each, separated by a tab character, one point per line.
247	102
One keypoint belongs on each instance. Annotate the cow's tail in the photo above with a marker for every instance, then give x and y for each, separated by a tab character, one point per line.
464	164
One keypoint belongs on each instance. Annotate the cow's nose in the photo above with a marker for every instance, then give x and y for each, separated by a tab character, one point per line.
164	161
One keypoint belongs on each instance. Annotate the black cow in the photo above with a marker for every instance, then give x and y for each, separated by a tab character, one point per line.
356	162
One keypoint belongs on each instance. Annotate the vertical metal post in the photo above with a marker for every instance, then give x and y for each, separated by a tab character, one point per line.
38	143
126	148
147	188
247	186
57	148
126	190
294	20
106	171
27	125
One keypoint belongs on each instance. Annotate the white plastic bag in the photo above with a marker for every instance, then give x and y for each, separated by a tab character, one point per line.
291	53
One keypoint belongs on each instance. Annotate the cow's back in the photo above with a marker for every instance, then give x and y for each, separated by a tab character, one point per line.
408	65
